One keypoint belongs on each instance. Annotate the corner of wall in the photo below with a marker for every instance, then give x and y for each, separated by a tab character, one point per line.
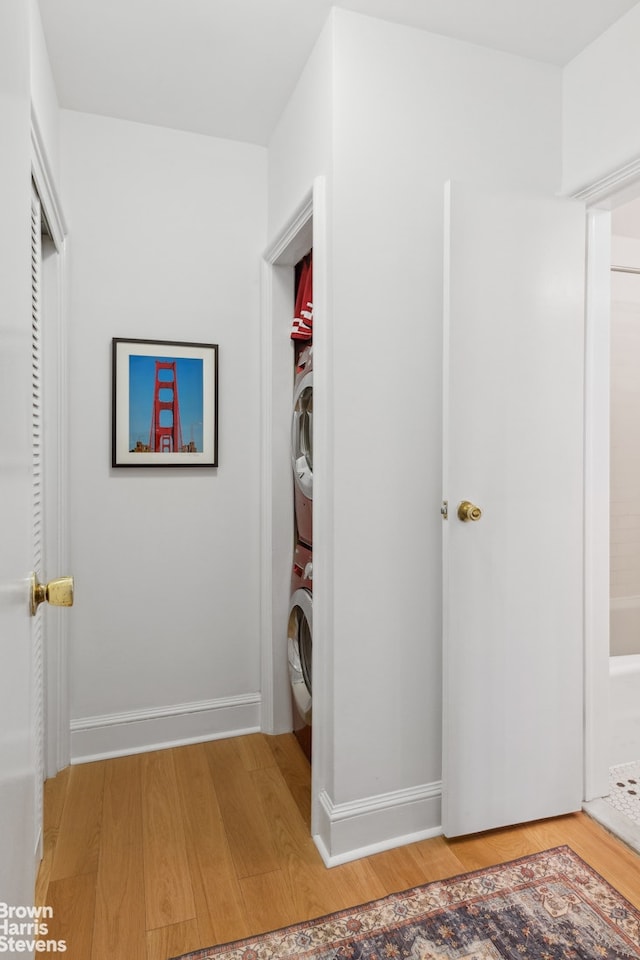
44	100
598	98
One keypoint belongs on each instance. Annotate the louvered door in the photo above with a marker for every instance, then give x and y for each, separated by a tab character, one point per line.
37	622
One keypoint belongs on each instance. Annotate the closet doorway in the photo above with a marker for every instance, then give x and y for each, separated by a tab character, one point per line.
619	806
613	299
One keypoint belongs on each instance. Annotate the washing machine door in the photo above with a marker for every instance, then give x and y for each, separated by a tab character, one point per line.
302	435
300	647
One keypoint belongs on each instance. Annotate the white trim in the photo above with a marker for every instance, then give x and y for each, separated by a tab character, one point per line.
62	516
613	184
308	227
360	828
596	515
45	185
295	238
603	194
357	808
38	444
56	514
276	535
322	731
139	731
175	710
56	535
267	633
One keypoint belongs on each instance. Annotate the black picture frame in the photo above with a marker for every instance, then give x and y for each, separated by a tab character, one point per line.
164	403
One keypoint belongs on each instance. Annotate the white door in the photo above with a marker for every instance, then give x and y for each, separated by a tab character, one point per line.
17	753
513	447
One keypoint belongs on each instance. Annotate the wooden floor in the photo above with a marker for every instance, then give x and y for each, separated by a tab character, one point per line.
149	856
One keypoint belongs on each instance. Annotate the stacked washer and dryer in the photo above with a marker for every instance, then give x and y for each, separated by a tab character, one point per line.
300	623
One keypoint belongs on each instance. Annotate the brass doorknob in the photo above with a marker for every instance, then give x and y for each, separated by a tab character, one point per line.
59	593
468	511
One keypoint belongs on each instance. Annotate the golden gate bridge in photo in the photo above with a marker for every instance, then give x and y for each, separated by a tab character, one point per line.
166	430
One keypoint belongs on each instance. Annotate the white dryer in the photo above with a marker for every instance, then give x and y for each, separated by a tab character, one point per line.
302	456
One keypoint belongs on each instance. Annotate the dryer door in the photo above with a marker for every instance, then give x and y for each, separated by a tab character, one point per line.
300	648
302	435
302	456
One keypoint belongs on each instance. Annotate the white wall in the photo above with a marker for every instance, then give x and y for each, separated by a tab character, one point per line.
166	233
44	101
413	110
301	146
307	123
409	111
600	104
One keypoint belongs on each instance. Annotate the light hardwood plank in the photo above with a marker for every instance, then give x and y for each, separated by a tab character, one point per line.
398	869
314	890
79	831
55	792
300	863
218	899
356	882
437	859
247	826
174	940
254	751
494	846
73	902
289	834
119	927
295	770
269	901
168	891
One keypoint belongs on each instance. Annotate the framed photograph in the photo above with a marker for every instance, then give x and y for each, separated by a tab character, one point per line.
165	404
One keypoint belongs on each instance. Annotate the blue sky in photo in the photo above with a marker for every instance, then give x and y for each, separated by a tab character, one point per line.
189	375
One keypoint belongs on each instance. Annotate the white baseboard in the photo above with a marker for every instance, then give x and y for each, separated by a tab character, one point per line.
139	731
349	831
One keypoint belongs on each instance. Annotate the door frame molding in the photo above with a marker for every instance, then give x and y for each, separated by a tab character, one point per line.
277	533
601	196
56	447
45	185
307	227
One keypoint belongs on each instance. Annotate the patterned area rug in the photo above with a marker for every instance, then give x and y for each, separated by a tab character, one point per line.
549	906
624	790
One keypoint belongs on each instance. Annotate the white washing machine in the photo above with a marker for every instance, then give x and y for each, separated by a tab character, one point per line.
300	644
300	622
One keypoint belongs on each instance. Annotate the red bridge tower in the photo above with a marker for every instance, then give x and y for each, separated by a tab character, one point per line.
166	433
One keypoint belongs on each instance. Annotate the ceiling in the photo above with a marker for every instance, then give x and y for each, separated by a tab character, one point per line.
226	68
